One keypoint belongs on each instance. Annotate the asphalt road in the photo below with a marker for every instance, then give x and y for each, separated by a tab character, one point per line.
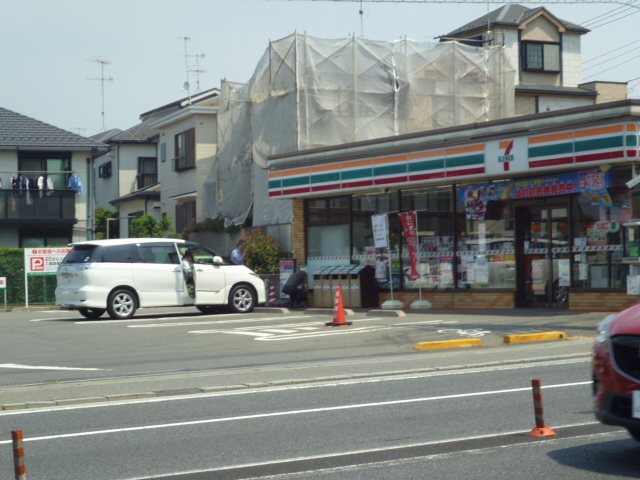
177	394
460	423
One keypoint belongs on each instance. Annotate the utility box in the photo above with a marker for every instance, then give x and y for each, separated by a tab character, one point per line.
363	287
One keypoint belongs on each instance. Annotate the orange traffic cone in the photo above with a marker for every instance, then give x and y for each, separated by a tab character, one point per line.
339	317
272	294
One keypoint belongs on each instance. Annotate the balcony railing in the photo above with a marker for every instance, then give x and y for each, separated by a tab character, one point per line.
27	206
144	180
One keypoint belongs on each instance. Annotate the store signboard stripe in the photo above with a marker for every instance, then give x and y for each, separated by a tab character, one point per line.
292	182
599	131
363	183
295	171
467	149
273	184
351	174
390	170
468	171
325	168
631	140
326	177
388	180
549	150
464	161
426	165
555	137
551	162
322	188
598	144
357	163
427	154
392	159
426	176
594	157
296	191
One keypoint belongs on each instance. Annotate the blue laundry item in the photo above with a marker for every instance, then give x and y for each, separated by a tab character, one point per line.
75	183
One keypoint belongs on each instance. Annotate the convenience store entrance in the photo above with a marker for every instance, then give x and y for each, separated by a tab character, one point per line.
542	256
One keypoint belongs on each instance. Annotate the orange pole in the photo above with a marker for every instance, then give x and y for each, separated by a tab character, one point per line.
18	454
541	429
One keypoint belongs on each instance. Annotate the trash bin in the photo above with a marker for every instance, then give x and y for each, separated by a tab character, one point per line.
322	287
363	287
342	280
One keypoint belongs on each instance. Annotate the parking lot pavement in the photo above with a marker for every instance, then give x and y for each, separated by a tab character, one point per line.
491	327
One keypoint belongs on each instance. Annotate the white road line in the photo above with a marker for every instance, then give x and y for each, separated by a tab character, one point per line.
43	367
206	322
294	412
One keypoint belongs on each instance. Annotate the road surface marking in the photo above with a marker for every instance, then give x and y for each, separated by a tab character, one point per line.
42	367
306	411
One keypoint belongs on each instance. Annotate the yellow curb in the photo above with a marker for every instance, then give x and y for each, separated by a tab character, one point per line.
467	342
535	337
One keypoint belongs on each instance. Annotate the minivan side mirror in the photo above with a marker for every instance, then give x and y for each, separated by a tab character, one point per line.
217	260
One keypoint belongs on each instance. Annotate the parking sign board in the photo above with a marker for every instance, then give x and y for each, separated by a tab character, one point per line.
43	261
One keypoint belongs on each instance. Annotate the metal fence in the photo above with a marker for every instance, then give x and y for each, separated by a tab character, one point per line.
42	288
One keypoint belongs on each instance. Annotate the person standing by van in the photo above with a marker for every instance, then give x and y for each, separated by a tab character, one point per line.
189	273
238	254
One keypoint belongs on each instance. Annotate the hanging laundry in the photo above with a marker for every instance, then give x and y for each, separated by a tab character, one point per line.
75	183
49	185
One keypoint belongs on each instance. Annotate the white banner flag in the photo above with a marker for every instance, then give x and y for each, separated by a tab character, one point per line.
380	230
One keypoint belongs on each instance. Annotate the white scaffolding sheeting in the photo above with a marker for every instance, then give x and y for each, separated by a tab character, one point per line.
308	92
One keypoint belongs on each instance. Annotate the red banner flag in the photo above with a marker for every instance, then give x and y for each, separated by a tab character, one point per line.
410	226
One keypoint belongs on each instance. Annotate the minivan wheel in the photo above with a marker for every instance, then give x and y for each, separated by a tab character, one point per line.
92	313
121	304
242	299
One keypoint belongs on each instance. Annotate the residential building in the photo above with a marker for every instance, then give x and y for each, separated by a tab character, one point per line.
47	189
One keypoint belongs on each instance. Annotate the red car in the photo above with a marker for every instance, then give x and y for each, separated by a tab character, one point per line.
616	370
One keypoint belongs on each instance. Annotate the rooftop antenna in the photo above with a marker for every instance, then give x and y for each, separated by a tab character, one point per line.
198	71
78	130
185	86
102	62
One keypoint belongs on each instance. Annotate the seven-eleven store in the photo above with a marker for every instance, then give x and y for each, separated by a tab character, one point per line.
523	212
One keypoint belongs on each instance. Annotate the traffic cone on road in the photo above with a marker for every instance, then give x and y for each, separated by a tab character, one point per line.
272	294
541	429
339	317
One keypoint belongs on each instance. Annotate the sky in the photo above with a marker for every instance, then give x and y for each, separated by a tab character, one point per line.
65	62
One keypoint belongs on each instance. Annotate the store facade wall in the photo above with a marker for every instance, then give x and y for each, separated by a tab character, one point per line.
504	219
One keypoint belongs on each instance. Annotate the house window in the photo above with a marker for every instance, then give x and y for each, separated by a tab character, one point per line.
104	170
56	166
163	152
147	172
185	150
185	215
541	57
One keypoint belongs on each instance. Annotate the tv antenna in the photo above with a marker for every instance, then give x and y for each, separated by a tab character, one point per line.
102	62
185	86
198	71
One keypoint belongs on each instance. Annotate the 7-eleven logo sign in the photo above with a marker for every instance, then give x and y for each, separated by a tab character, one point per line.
507	156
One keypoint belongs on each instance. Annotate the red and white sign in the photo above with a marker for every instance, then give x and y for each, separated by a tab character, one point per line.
409	224
3	283
41	261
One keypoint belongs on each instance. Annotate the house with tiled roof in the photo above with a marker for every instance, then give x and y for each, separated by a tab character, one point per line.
47	187
545	52
152	168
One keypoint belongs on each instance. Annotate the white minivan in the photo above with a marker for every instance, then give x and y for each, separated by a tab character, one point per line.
121	275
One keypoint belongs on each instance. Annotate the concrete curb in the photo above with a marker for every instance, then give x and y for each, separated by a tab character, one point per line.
535	337
440	344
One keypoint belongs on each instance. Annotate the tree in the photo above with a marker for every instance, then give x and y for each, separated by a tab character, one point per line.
102	216
263	255
149	226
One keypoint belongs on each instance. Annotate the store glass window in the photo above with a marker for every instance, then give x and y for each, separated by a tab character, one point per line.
434	209
598	234
364	251
328	227
486	245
